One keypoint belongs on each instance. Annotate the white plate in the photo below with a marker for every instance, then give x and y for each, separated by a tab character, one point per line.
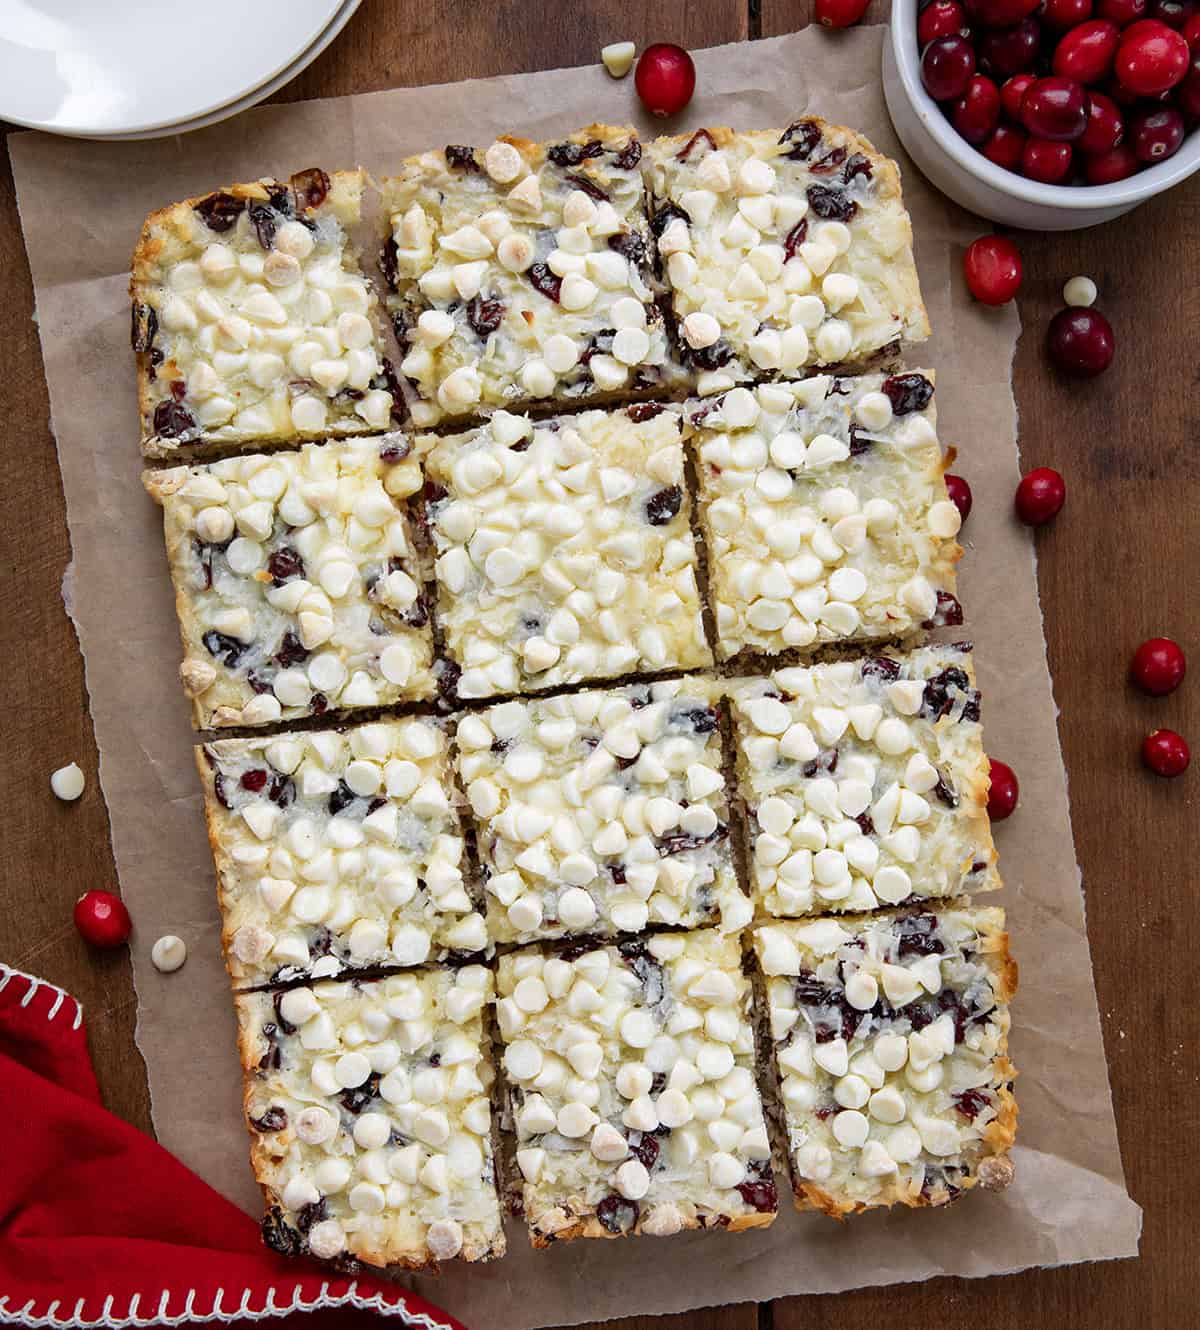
103	67
255	95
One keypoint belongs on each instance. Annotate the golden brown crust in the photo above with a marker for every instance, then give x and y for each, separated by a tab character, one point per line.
588	1226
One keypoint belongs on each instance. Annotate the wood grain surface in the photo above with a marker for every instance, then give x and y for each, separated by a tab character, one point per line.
1120	564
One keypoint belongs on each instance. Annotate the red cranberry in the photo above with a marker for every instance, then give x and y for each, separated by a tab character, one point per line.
1105	127
665	78
977	111
1047	162
960	495
840	13
1011	93
992	265
1086	53
999	13
1003	792
942	18
1191	32
1187	93
1151	58
1080	341
1005	147
1122	12
1166	753
947	66
1174	13
1156	135
1040	496
1064	14
1055	108
1158	666
1005	51
102	919
1106	168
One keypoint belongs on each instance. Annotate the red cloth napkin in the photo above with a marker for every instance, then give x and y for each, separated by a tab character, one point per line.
100	1226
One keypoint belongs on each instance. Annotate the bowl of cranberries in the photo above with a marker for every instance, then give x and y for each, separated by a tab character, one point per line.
1047	114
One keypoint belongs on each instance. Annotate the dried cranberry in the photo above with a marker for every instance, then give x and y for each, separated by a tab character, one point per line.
681	841
228	650
617	1214
545	282
857	165
484	316
589	187
281	1237
970	1103
629	156
945	791
291	651
917	936
761	1196
284	564
312	1213
711	357
824	761
936	700
571	154
908	392
282	790
388	261
145	325
219	211
831	203
310	188
643	411
341	798
461	156
810	990
663	506
829	163
254	780
356	1099
880	667
274	1119
703	720
646	1150
948	614
263	220
630	245
804	136
865	824
794	239
665	216
172	420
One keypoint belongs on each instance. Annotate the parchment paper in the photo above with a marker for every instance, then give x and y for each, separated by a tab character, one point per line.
81	207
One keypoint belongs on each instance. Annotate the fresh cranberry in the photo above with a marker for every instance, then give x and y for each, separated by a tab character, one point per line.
960	495
840	13
102	919
999	13
1003	792
1174	13
992	265
1011	93
1047	162
1105	168
1166	753
1006	51
1005	147
1086	53
1187	93
1156	135
1055	108
1151	58
1158	666
665	79
947	66
1080	341
942	18
977	112
1040	496
1122	12
1105	127
1064	14
1191	32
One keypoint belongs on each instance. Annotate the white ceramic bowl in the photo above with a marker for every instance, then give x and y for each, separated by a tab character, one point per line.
966	175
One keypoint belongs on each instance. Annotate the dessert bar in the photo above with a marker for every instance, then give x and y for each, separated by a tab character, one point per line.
601	812
368	1109
337	849
296	584
825	512
630	1075
890	1037
865	782
253	321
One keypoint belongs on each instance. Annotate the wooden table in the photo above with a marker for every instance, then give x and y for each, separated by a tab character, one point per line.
1119	565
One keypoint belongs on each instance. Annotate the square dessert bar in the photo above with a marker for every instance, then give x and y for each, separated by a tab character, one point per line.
563	549
368	1109
865	782
782	250
630	1075
890	1037
601	812
296	584
825	512
252	319
521	272
337	850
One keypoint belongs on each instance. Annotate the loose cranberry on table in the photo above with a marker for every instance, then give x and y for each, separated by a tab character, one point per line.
1166	753
1064	14
1105	126
977	112
665	79
1055	108
1046	161
947	66
102	919
940	19
1151	58
1080	341
1005	51
1086	53
1003	792
1158	666
1040	496
960	495
840	13
1156	135
992	265
1005	147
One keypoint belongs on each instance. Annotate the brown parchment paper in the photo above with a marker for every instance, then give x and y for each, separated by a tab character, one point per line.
81	207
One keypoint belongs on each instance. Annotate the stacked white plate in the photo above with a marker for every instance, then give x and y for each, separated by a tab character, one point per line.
142	69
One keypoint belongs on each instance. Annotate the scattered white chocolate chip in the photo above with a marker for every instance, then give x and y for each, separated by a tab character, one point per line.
1080	292
618	58
168	953
68	782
